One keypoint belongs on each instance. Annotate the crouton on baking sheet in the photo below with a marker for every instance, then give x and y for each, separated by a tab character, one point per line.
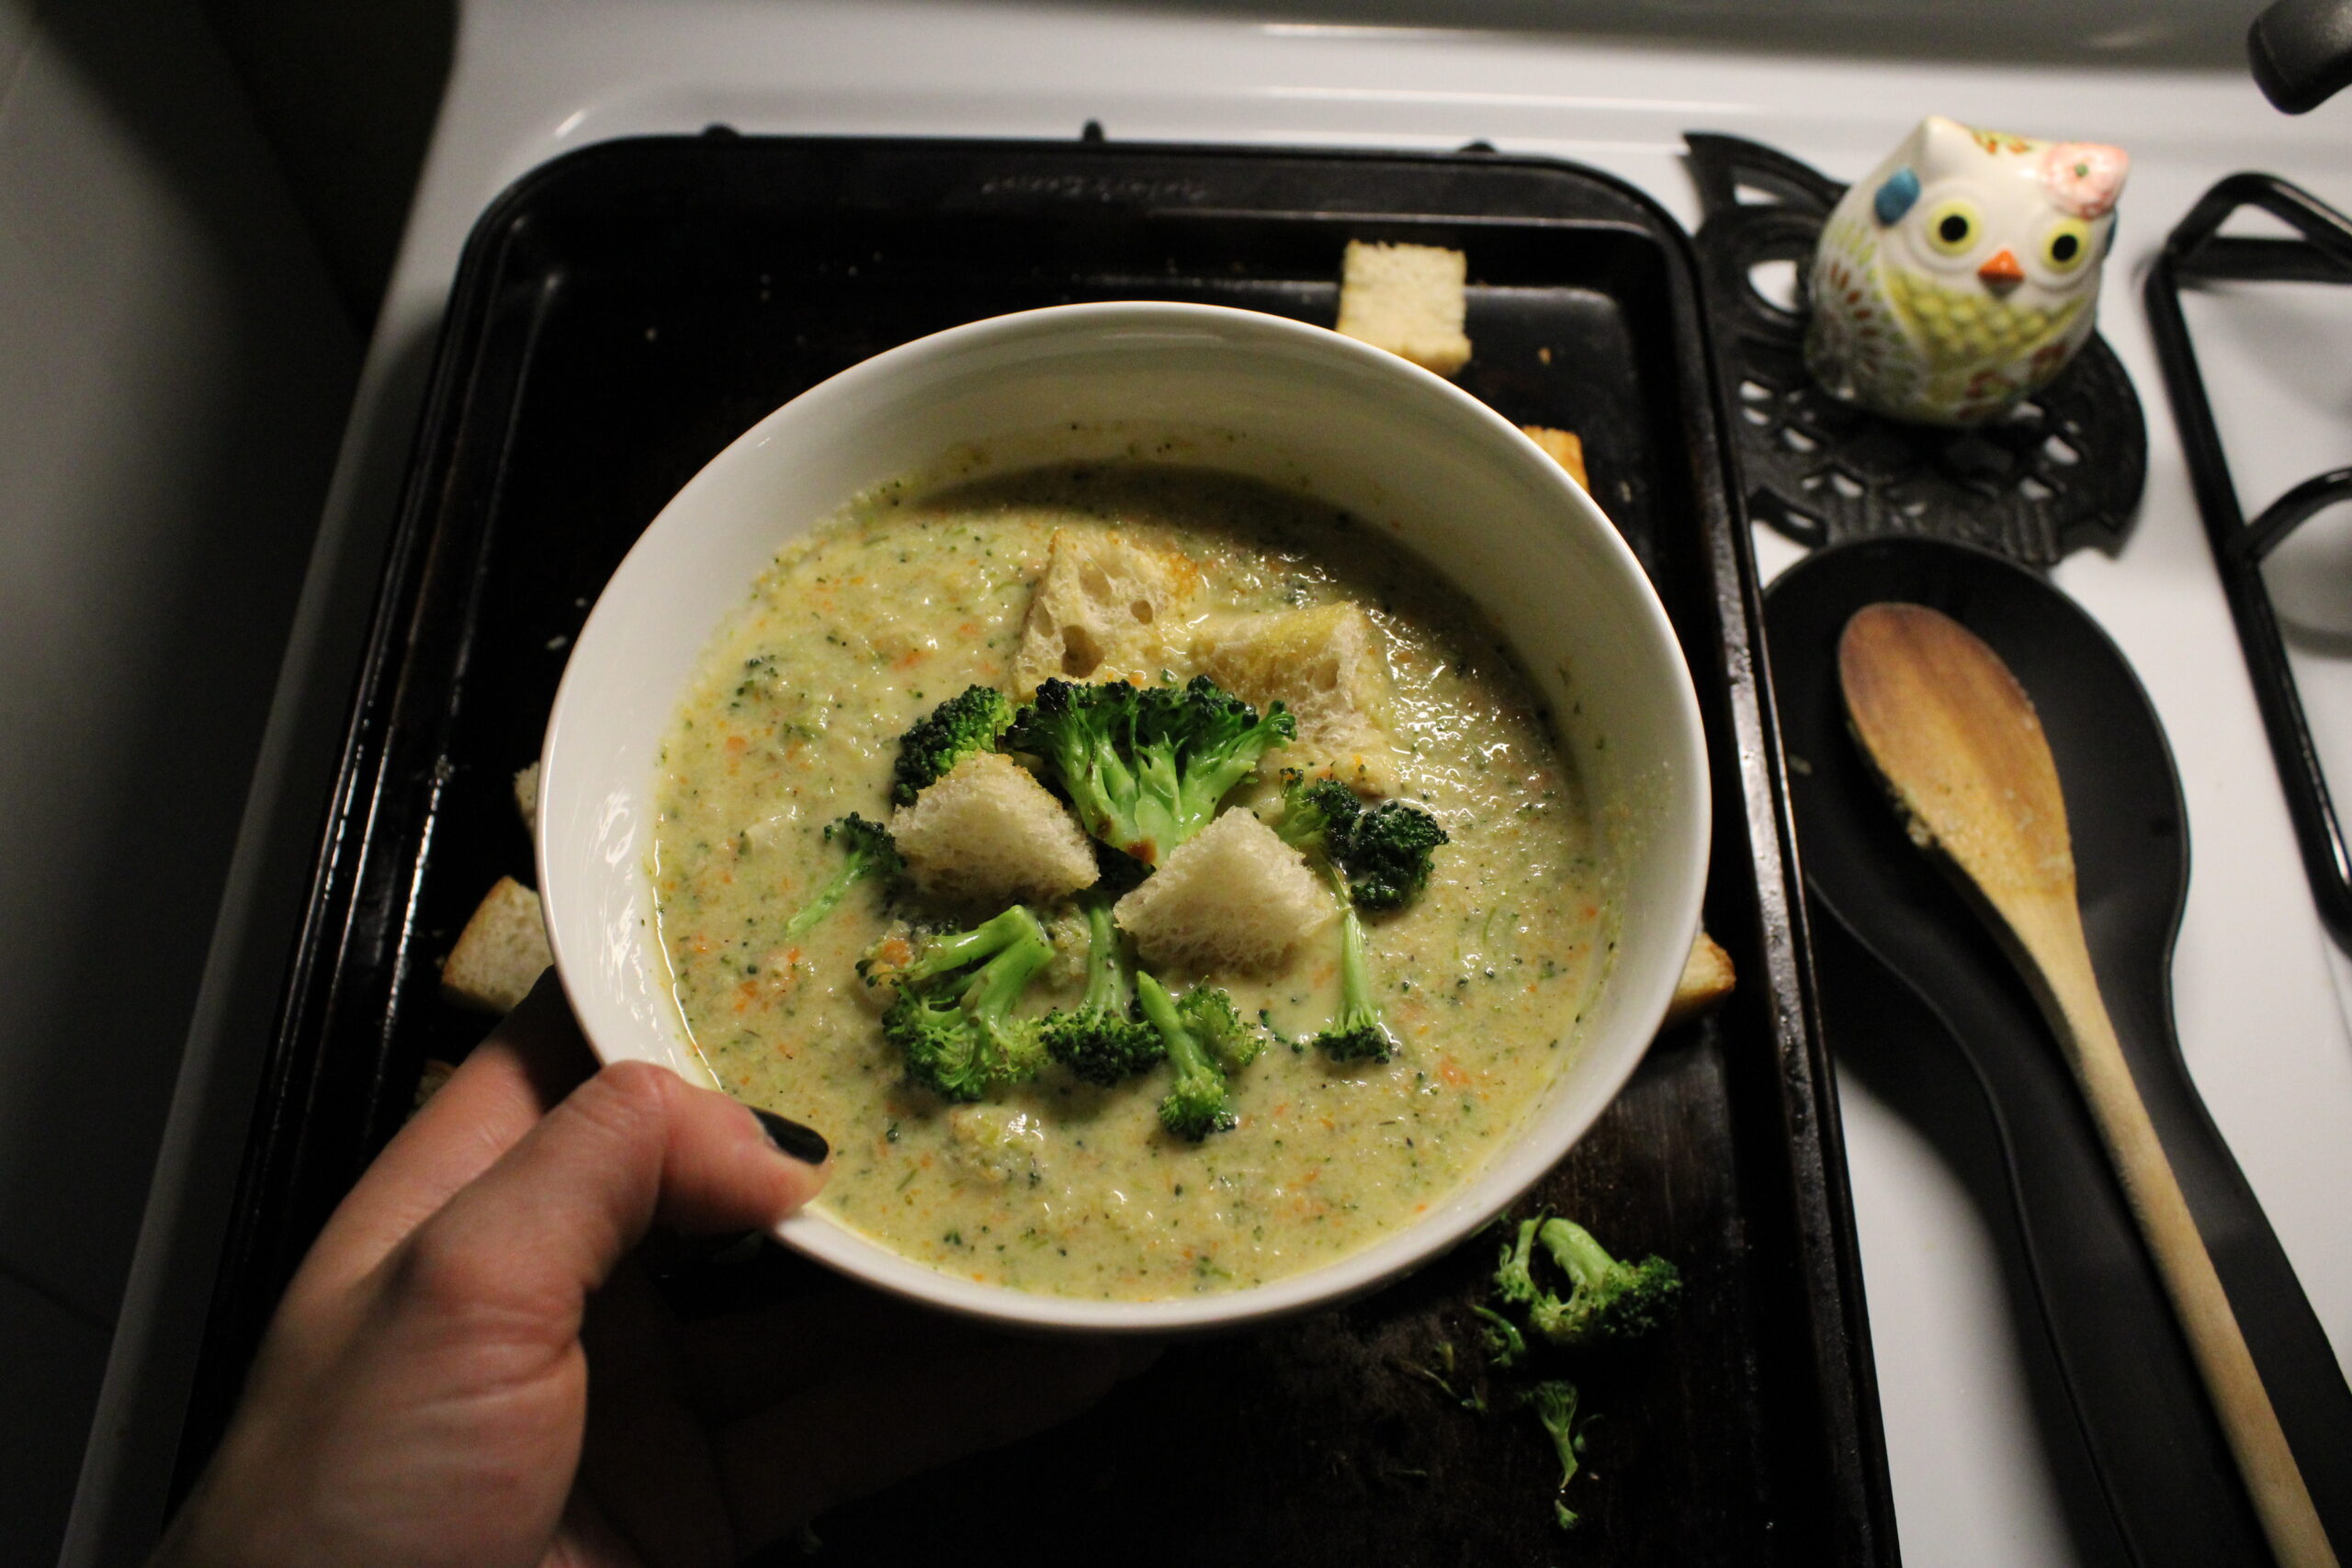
1563	448
1408	299
1707	980
501	954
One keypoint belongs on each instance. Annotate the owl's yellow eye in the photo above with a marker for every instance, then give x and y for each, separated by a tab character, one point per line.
1953	225
2068	245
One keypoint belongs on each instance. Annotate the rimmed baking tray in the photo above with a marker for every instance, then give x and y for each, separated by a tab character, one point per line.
623	312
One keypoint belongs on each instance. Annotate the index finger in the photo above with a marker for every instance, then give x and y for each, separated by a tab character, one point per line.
514	1078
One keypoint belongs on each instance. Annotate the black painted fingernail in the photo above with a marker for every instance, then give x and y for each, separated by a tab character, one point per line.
804	1144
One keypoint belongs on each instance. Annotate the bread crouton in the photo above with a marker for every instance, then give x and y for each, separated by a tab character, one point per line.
1233	897
988	831
1104	610
429	1080
526	798
501	954
1707	978
1564	447
1328	666
1407	300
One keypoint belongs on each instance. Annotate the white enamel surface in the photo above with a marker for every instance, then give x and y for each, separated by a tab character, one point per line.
1401	448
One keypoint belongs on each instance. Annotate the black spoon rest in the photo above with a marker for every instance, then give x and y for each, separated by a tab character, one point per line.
2162	1466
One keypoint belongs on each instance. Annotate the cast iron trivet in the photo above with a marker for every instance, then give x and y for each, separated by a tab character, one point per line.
2063	471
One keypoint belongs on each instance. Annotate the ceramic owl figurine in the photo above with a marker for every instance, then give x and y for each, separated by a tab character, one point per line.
1962	275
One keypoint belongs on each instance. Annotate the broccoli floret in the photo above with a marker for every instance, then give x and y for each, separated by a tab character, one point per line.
1100	1040
1084	734
1382	852
1387	854
1608	1300
1357	1033
956	1029
1506	1346
1554	1402
1324	820
871	852
1515	1272
1198	1103
1195	744
949	733
1210	1014
1318	818
1144	769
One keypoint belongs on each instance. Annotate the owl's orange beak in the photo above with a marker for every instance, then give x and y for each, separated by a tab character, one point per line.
2002	273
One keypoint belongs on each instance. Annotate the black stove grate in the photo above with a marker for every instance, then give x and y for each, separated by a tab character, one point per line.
2065	470
2196	252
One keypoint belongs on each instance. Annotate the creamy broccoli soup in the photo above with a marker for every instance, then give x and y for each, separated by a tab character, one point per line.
1053	1185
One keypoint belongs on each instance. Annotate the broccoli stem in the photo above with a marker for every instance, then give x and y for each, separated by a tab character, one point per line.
957	1033
1101	1041
1107	989
1313	814
1192	804
1359	1033
1004	977
1515	1272
1197	1103
870	851
1584	1260
942	956
1105	793
1359	1010
1151	824
1607	1299
1505	1344
1555	1406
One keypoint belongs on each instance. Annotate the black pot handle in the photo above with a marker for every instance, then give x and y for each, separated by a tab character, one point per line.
2301	51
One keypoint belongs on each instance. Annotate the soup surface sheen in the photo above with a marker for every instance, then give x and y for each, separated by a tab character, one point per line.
1057	1187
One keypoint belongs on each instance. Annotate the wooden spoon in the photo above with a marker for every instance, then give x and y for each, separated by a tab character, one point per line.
1958	742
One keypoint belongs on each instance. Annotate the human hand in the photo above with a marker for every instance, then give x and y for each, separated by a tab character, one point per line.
465	1370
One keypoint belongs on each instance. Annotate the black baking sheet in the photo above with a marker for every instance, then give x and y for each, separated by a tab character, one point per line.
623	313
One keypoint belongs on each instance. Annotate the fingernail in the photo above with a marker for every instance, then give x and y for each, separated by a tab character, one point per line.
804	1144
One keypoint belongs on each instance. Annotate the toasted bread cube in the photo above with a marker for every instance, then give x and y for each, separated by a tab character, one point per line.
526	798
1407	300
1104	610
429	1080
988	831
1564	447
1327	665
501	954
1233	897
1707	978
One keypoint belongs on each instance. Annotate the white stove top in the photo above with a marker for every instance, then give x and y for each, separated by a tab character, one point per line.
2261	993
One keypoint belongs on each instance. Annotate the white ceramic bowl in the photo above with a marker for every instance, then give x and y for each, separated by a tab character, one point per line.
1400	447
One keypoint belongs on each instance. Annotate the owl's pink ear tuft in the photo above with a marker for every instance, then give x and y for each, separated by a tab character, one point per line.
2085	178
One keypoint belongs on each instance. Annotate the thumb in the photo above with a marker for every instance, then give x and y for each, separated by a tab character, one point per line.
557	1213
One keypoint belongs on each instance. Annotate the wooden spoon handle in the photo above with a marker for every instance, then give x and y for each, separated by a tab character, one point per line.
2074	1009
